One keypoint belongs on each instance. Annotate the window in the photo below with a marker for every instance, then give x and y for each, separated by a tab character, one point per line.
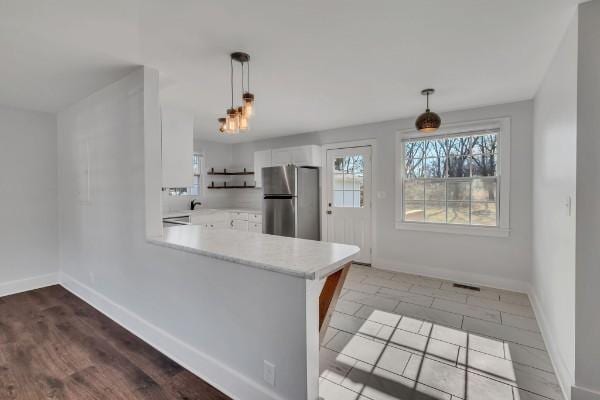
348	181
196	188
450	181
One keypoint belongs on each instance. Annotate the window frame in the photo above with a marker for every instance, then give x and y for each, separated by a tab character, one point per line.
502	173
187	191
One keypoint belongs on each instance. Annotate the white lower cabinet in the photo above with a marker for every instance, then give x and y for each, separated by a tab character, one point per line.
238	220
239	225
254	227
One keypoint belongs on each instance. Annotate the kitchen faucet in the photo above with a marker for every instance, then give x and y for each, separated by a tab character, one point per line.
194	203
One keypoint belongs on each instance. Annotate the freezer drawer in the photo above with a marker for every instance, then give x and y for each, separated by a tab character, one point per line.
279	216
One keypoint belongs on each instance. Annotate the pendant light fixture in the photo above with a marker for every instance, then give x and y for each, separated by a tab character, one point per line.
428	121
237	119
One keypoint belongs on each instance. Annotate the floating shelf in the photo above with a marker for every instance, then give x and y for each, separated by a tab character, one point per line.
225	172
231	187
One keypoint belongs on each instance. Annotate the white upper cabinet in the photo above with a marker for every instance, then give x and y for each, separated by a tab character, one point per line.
177	148
261	159
302	155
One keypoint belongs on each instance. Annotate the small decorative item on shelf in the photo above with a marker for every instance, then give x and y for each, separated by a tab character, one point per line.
212	171
212	184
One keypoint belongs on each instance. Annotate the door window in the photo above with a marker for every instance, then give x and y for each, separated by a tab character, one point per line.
348	181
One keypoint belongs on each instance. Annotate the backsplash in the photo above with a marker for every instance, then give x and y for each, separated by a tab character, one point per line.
247	198
215	198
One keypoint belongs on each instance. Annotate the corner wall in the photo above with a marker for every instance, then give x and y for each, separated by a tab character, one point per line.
216	318
587	314
554	183
28	200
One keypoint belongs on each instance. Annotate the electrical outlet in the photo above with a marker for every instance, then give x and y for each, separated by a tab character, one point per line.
269	373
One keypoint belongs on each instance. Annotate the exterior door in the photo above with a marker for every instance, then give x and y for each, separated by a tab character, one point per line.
348	188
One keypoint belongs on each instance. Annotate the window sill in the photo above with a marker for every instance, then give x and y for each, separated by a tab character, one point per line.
454	229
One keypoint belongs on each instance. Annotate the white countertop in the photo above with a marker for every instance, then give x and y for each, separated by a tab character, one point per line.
183	213
307	259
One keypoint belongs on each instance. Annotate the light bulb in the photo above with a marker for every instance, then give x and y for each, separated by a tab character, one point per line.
248	99
243	120
222	122
232	125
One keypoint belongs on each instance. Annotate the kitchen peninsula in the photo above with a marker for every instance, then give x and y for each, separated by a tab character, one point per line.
295	281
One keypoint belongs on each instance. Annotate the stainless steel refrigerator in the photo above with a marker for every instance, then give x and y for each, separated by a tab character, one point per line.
291	201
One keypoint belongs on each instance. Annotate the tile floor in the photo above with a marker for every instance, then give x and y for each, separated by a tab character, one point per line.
401	336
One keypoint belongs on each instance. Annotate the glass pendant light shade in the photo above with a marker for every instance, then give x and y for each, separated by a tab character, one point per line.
222	122
243	119
248	99
232	124
428	121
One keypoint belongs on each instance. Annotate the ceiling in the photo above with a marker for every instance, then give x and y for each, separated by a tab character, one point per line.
315	64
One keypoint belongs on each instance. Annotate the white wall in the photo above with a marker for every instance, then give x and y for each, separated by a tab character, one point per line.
587	349
501	262
217	318
28	200
554	182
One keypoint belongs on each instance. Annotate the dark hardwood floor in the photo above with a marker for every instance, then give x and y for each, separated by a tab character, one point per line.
55	346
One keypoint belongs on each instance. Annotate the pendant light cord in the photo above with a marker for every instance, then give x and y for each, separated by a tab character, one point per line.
231	64
427	100
243	79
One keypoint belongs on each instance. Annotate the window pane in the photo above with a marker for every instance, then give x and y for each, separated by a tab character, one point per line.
435	191
458	212
414	190
414	211
435	211
459	190
484	144
483	213
414	168
348	198
483	165
435	148
459	146
358	182
413	150
338	198
338	164
338	181
358	199
458	167
435	167
348	182
483	190
451	179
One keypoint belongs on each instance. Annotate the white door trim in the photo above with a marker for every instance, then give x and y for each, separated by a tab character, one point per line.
344	145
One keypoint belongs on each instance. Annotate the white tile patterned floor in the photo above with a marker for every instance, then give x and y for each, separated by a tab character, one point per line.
400	336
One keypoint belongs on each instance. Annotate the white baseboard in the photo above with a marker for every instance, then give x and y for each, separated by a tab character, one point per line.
580	393
452	275
564	376
230	382
23	285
